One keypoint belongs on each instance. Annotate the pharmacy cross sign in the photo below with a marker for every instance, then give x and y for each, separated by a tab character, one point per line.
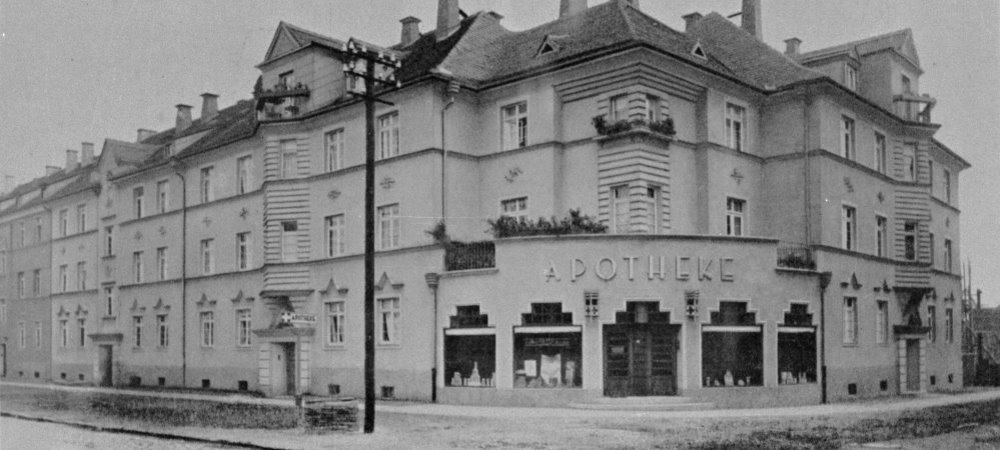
294	318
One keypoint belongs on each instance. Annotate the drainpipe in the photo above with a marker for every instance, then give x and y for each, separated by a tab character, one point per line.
433	282
52	343
807	181
453	88
179	170
824	281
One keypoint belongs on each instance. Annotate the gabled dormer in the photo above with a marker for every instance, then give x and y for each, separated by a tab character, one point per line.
301	72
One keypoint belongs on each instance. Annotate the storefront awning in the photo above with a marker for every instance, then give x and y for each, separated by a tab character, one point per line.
549	329
470	331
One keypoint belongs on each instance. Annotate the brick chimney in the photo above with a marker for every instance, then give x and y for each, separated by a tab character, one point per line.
690	20
449	18
792	47
183	118
411	31
209	106
751	18
49	170
143	134
72	160
86	153
570	7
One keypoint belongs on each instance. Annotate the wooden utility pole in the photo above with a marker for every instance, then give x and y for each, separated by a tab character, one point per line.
372	58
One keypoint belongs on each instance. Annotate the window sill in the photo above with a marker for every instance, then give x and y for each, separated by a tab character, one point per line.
389	345
338	347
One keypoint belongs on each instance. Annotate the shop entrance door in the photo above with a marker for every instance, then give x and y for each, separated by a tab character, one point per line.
913	365
640	353
289	350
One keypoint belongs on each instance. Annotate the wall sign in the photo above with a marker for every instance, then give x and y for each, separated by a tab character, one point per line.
651	268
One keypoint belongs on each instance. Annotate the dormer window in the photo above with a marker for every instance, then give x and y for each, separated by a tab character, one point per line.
287	79
549	45
850	77
698	51
905	84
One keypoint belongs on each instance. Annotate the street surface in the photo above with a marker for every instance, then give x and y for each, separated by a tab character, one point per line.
28	435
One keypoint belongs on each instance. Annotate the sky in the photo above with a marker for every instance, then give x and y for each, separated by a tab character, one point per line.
75	71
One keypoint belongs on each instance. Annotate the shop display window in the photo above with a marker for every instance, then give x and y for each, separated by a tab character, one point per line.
797	347
732	348
547	360
469	349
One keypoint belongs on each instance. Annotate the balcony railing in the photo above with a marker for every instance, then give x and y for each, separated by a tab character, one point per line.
792	256
469	255
913	107
605	128
281	102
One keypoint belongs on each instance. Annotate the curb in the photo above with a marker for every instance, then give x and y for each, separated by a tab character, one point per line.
131	431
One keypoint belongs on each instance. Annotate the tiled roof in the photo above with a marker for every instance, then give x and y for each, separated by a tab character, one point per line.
306	37
127	153
895	40
81	182
232	124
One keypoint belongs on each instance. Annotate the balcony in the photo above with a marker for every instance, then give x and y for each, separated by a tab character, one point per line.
800	257
913	107
281	102
469	255
604	128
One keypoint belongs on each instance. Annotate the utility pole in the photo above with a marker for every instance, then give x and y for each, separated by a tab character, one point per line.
371	59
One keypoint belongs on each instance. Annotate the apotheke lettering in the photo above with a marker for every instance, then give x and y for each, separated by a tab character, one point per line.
651	268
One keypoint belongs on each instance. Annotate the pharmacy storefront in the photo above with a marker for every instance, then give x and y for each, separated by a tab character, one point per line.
570	319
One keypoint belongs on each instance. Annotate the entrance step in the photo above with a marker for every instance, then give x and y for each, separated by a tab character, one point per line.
664	403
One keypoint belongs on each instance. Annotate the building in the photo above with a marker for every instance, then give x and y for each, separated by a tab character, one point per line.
231	245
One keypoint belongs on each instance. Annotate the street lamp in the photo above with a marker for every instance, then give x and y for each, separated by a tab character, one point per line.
376	67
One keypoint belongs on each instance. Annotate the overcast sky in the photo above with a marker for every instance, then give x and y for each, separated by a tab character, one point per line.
75	70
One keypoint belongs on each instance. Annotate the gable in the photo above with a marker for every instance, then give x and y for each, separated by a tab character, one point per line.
282	43
909	50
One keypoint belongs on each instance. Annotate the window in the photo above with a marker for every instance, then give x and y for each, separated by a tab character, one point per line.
243	243
847	148
21	338
109	241
620	213
388	321
23	239
137	331
932	249
334	235
289	159
932	322
3	262
137	266
63	223
335	323
949	325
515	207
38	334
205	189
3	312
850	321
388	226
910	241
850	77
849	230
909	162
207	262
514	121
38	229
736	117
334	150
138	201
388	135
653	209
161	263
470	359
881	235
162	331
162	196
287	79
880	165
930	175
243	327
652	109
244	175
81	276
732	347
289	241
81	218
947	255
36	282
64	333
207	319
618	108
735	216
881	322
905	84
946	179
63	278
20	285
109	301
797	347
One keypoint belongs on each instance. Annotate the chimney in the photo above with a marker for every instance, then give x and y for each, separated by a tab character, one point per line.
634	3
570	7
690	20
209	107
792	47
448	18
143	134
751	18
411	31
49	170
71	160
86	153
183	118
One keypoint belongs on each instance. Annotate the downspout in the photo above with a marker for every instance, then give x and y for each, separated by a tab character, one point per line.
178	169
806	176
452	89
824	281
433	282
51	341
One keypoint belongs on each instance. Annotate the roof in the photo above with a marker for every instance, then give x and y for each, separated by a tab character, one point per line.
81	182
289	38
901	41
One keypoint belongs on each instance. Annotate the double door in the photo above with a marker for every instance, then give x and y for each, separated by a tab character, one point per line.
640	359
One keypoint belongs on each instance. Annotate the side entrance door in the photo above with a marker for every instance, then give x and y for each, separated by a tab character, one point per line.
913	365
104	363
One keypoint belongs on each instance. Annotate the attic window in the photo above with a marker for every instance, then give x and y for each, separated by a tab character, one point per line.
546	48
549	45
698	51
